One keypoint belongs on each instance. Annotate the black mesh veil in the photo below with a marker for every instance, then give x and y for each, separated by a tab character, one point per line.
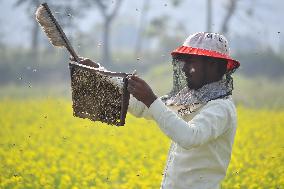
179	79
182	95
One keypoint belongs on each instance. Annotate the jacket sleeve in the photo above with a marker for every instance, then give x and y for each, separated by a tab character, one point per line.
138	108
212	121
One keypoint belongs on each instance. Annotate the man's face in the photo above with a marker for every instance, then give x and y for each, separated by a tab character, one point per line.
195	72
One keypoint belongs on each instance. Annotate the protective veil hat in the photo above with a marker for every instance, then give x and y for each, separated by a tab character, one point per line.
208	44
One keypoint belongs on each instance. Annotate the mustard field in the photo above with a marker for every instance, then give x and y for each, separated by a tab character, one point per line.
43	146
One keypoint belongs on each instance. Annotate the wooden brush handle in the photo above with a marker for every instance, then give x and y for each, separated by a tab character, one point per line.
67	43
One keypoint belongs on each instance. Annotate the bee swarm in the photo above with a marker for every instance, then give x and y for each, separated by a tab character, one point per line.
98	97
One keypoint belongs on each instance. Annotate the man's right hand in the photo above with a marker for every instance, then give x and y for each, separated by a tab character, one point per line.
86	61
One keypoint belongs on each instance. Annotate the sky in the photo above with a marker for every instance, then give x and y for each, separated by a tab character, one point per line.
265	24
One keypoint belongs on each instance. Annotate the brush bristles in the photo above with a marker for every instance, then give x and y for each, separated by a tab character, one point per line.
49	27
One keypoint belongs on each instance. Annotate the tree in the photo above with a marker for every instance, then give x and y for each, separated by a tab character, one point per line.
64	10
230	10
157	23
141	27
109	10
31	6
2	45
209	15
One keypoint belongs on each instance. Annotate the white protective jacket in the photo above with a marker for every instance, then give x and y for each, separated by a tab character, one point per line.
201	141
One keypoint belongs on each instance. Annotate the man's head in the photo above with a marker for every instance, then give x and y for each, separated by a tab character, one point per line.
204	58
201	70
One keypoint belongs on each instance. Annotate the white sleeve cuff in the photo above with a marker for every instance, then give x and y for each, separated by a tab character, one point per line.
157	108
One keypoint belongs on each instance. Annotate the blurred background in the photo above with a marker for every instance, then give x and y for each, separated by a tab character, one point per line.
43	146
125	35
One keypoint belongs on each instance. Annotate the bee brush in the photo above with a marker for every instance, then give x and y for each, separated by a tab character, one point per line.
53	30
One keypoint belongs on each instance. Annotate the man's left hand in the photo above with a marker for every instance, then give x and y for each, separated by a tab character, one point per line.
141	90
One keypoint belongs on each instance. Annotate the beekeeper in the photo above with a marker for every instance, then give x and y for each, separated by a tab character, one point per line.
198	115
